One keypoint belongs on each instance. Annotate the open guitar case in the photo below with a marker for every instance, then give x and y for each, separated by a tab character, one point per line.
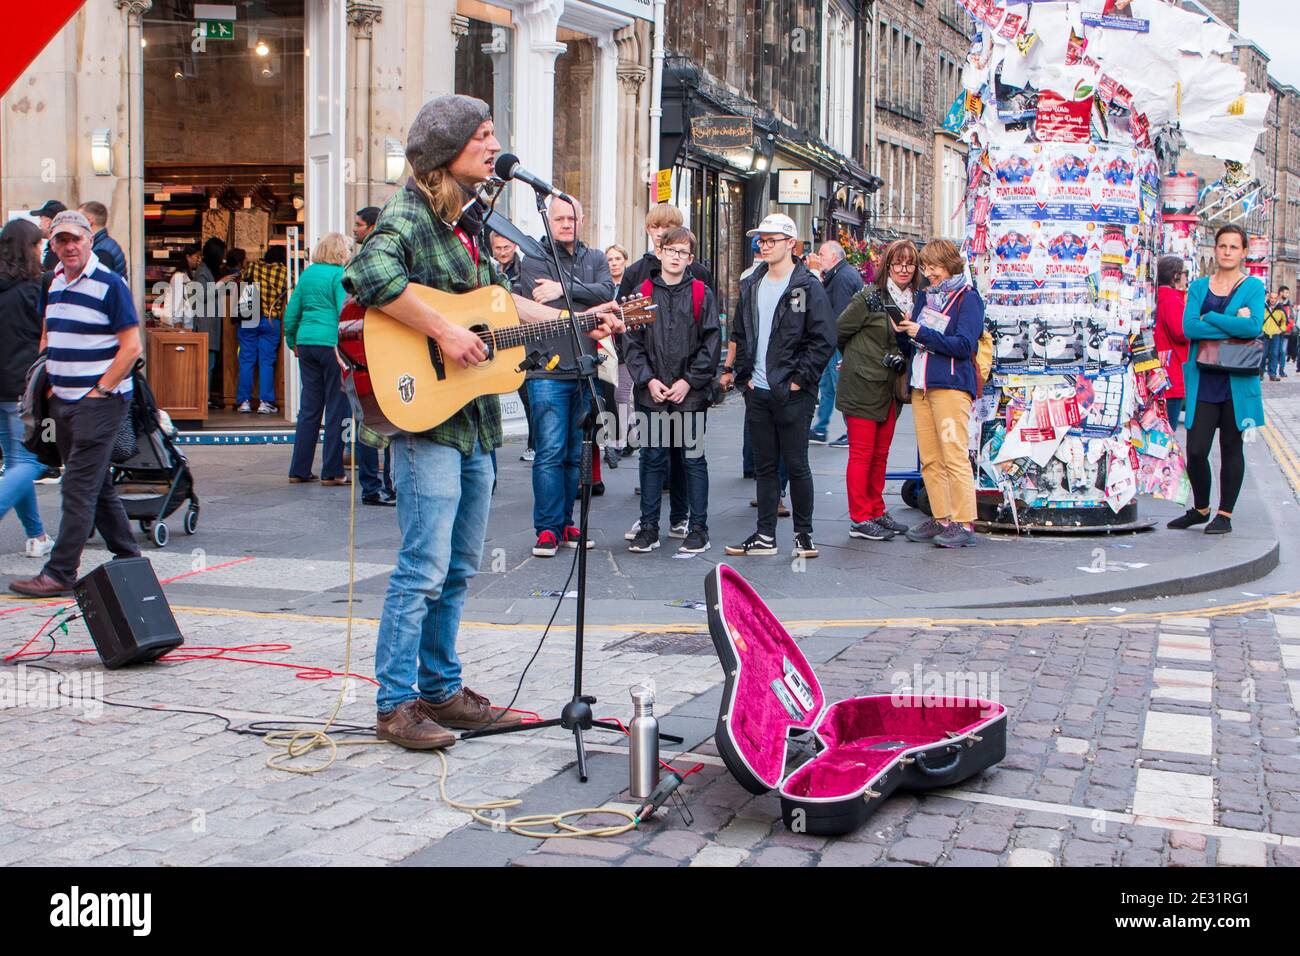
860	749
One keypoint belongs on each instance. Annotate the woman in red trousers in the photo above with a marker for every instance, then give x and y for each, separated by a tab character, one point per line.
866	393
1171	343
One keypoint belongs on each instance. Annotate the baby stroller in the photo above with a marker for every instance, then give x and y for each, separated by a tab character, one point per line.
145	456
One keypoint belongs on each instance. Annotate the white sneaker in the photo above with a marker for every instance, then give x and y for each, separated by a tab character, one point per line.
266	408
39	547
528	455
244	408
632	532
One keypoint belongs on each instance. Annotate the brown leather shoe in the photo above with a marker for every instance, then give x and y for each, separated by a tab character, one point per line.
470	711
409	726
40	586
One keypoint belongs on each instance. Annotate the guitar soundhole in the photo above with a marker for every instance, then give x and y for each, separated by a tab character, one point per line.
485	333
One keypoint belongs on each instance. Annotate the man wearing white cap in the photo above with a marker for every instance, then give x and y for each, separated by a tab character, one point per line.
91	338
785	335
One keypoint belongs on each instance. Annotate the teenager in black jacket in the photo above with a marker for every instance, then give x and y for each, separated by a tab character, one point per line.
20	339
785	335
672	363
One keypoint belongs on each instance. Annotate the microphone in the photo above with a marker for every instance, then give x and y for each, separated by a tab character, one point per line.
508	167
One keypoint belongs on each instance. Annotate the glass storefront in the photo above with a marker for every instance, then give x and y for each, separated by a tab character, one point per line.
573	153
224	155
484	62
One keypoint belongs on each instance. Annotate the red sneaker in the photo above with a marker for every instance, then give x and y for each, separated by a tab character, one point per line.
572	535
546	546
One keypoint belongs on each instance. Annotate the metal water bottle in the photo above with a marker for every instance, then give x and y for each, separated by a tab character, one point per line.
643	760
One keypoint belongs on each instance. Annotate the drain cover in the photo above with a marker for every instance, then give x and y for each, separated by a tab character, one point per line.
666	642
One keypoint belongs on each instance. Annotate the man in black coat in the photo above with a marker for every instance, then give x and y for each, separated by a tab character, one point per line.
672	364
555	398
785	335
842	282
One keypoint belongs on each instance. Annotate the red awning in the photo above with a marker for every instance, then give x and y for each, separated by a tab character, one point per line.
27	33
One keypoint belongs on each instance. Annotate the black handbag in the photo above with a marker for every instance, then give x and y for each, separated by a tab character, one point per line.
125	443
1231	356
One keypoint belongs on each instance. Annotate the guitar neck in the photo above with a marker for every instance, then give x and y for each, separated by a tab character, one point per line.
530	331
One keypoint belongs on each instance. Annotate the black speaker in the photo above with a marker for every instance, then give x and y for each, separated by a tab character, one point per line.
127	613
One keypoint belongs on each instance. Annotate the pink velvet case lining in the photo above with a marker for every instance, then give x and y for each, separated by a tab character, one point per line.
760	725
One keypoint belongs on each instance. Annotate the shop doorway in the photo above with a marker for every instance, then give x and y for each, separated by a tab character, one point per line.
243	143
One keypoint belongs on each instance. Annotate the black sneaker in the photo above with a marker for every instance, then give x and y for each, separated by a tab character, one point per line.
890	523
816	438
956	536
1193	517
756	544
803	545
926	531
678	529
869	530
1221	524
646	540
696	542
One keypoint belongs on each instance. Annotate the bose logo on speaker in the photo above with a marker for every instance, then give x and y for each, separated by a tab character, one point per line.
74	909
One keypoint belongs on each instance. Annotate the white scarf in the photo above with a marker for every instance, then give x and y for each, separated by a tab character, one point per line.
903	298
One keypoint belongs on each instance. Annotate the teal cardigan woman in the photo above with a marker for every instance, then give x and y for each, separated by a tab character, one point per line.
1228	305
311	332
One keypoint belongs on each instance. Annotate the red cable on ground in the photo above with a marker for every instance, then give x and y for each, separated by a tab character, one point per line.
215	567
36	636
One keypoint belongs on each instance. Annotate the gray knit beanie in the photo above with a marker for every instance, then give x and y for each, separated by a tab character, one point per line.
442	128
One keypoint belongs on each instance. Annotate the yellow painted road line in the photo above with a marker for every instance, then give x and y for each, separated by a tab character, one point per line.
1288	599
1284	455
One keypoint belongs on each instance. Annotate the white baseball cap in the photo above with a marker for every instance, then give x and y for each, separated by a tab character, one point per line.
779	224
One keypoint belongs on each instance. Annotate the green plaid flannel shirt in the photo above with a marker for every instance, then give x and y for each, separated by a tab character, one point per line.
410	244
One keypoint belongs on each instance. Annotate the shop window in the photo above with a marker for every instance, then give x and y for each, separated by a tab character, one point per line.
574	129
484	62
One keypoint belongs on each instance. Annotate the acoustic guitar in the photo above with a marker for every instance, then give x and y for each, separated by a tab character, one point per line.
399	374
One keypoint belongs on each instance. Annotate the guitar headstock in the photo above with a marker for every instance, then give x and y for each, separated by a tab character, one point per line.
637	310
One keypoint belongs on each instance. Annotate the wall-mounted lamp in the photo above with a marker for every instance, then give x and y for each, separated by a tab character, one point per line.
394	160
101	152
262	49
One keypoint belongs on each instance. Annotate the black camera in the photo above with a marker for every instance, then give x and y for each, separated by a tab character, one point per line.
894	361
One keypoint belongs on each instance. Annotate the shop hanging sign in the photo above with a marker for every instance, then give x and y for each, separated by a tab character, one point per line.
722	132
794	187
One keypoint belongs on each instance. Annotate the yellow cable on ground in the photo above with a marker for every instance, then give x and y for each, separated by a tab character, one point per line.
522	825
293	744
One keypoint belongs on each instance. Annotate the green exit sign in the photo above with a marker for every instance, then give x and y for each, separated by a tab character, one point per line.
218	29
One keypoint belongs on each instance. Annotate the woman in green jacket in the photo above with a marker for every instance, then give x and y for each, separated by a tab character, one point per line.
1227	305
871	364
311	332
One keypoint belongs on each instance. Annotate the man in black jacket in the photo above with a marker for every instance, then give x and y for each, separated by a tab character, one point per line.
841	282
555	398
672	364
785	335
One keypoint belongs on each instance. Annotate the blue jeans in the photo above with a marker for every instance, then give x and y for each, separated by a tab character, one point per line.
1276	353
322	395
374	482
656	463
442	512
258	346
826	396
21	469
557	408
1174	406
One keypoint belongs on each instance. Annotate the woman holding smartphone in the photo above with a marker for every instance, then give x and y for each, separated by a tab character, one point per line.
941	341
1227	305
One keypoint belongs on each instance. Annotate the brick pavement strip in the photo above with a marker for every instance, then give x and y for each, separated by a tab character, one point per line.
1078	693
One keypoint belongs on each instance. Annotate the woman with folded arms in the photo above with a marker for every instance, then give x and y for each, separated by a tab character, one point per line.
1226	305
941	341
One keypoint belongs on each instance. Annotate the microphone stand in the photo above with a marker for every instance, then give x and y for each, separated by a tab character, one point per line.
577	715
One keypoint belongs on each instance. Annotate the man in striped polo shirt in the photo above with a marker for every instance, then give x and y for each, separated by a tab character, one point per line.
91	339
